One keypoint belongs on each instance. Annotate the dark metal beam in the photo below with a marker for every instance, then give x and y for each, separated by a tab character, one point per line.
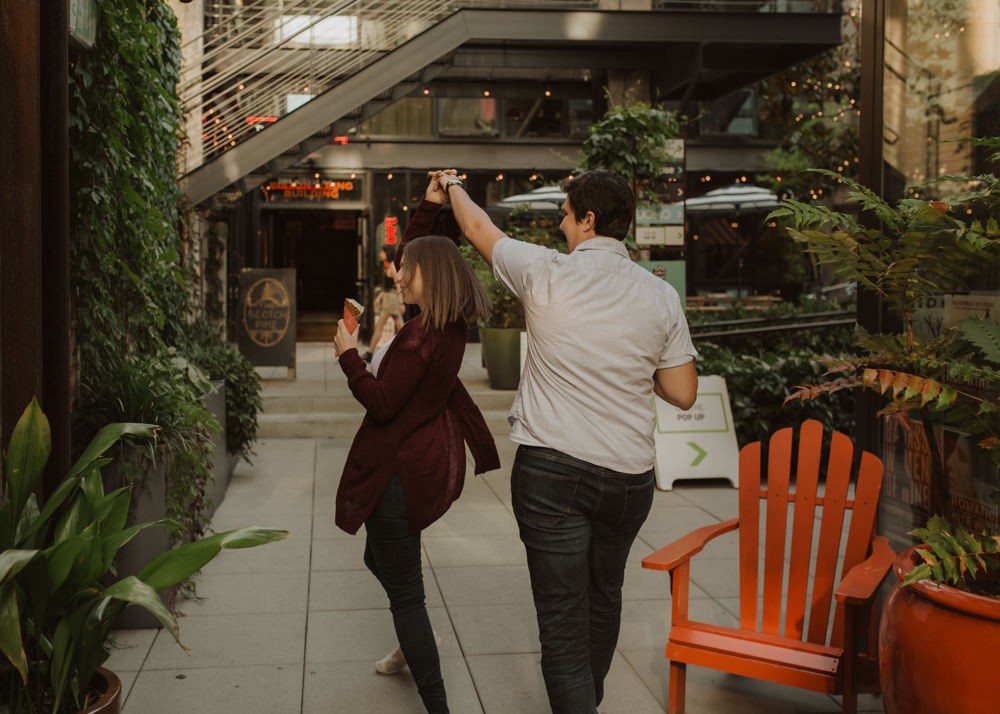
20	244
870	174
55	281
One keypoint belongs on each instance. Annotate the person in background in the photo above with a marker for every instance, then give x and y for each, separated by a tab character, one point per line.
407	462
388	304
604	335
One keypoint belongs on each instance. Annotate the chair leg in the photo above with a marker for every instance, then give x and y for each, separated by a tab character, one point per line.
678	677
850	703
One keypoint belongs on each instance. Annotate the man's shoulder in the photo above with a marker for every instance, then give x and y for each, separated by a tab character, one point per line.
519	253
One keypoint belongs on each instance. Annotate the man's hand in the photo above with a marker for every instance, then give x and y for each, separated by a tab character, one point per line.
475	224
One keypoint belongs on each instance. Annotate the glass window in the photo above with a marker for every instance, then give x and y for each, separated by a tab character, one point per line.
467	117
942	81
410	116
534	117
312	30
581	117
733	114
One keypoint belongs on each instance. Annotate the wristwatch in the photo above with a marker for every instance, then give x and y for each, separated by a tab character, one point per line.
449	181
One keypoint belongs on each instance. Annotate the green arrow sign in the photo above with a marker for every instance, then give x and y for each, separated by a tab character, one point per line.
701	453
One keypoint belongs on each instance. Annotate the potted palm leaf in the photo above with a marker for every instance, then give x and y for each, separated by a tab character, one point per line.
57	601
941	624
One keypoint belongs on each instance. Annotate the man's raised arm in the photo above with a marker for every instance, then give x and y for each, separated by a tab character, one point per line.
475	224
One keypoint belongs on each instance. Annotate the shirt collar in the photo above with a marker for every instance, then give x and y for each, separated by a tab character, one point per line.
612	245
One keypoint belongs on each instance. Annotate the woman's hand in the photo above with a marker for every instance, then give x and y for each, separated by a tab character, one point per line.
434	191
344	340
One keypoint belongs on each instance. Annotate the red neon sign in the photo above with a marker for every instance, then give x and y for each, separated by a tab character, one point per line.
391	223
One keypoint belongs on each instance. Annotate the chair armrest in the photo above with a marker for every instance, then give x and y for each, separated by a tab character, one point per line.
859	585
684	548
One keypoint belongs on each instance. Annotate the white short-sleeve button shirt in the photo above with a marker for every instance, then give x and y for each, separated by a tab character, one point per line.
598	326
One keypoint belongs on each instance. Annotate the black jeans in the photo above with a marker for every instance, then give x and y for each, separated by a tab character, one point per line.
393	556
577	522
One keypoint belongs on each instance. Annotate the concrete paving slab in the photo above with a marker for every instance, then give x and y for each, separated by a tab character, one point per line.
218	690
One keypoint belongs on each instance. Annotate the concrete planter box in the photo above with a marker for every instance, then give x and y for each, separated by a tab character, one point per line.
149	503
223	463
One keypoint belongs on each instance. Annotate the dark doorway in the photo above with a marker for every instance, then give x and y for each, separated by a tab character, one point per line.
322	246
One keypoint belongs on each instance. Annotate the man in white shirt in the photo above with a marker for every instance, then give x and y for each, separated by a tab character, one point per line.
604	335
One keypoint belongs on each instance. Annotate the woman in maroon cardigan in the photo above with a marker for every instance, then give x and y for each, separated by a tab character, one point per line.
407	463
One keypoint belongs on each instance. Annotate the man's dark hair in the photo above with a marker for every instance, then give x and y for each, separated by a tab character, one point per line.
608	196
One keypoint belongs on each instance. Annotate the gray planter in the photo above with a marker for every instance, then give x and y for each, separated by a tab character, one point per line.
149	503
502	354
223	463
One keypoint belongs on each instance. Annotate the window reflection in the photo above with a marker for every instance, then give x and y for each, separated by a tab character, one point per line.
468	117
942	82
407	117
534	118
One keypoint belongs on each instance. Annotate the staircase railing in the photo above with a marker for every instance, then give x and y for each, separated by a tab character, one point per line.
258	60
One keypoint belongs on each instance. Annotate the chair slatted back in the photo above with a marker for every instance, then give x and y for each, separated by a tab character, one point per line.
778	485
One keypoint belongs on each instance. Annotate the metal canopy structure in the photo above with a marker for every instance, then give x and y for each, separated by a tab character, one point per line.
690	56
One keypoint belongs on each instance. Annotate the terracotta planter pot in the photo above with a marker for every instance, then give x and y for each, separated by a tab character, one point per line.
109	702
938	648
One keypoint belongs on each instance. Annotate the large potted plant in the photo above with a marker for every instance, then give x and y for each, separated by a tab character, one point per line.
57	604
170	474
938	634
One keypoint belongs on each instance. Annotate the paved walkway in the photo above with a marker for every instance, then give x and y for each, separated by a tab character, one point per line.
295	627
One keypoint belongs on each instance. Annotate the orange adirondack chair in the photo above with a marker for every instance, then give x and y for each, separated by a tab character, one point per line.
813	655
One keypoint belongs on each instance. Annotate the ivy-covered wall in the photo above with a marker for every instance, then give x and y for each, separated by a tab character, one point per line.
129	287
144	351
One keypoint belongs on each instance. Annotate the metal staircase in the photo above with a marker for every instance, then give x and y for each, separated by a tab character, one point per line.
270	81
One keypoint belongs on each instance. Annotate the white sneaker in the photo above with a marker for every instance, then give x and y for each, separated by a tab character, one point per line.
395	660
391	663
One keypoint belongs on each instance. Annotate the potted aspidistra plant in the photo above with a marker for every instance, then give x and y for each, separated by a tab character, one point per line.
59	595
938	635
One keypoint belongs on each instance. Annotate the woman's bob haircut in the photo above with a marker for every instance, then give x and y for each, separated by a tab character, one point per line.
451	289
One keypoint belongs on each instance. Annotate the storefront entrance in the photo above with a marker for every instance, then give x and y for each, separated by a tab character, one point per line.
322	245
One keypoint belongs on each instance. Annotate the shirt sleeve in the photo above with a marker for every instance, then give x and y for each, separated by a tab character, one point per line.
678	349
512	261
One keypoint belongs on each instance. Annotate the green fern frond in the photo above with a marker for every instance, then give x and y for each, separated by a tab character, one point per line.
954	556
984	333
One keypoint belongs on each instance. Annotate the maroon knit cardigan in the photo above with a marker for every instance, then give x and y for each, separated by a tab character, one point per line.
419	417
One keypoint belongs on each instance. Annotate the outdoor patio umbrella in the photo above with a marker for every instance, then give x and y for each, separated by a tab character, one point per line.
738	198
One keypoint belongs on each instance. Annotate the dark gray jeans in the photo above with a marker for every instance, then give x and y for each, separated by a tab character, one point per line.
577	522
393	556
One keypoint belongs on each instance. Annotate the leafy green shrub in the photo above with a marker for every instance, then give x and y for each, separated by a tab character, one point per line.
761	370
165	390
205	347
758	382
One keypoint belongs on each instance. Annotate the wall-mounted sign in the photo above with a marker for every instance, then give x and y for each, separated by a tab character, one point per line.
83	22
659	235
267	317
298	191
